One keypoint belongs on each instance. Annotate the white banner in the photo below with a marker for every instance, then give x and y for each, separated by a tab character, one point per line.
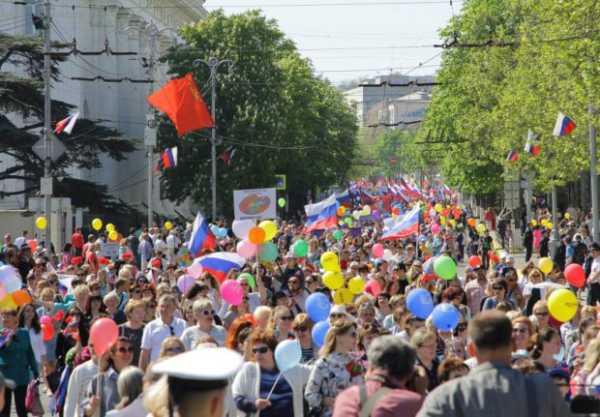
110	251
255	204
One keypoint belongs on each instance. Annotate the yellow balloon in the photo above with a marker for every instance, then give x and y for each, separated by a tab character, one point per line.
168	225
7	303
568	216
330	262
534	222
546	265
562	304
550	225
270	228
41	223
481	228
356	285
113	235
343	296
110	227
97	224
452	222
442	220
333	280
438	207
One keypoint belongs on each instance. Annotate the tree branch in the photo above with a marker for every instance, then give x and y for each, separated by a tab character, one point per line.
23	191
6	56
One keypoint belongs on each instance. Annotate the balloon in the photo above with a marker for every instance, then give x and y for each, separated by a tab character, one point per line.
195	270
249	278
287	354
32	243
103	334
356	285
474	261
270	228
41	223
549	225
317	306
546	265
428	265
348	221
281	202
10	278
241	228
420	303
21	297
330	261
445	317
268	252
534	222
341	210
168	225
232	292
246	249
435	229
300	248
575	275
471	222
113	235
97	224
110	227
438	207
373	287
481	228
7	303
3	292
185	282
257	235
338	235
319	331
47	332
356	214
445	267
387	255
343	296
568	216
377	250
333	280
562	304
45	320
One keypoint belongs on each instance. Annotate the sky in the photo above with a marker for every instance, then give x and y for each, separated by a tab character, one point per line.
347	39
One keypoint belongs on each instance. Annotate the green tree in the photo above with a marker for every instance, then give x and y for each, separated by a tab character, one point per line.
271	107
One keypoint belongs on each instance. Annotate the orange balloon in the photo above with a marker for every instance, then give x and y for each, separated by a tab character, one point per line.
257	235
21	297
32	243
472	222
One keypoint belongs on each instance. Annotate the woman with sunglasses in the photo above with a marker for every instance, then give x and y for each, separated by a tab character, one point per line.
522	331
281	323
302	327
335	371
133	328
203	312
118	357
259	387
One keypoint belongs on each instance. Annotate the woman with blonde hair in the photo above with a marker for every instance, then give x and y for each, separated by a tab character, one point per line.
171	346
588	371
335	371
522	333
281	323
130	387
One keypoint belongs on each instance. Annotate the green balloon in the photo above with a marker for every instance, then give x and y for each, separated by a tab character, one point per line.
268	252
281	202
348	221
338	235
300	248
444	267
250	278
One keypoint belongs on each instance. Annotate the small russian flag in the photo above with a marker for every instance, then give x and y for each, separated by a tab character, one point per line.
169	158
513	156
66	125
532	146
564	125
202	238
219	264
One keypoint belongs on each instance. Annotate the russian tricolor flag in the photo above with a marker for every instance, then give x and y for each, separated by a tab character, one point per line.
513	156
66	125
404	226
322	215
202	238
169	158
344	198
564	125
219	264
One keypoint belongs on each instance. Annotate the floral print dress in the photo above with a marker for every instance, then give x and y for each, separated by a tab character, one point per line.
330	376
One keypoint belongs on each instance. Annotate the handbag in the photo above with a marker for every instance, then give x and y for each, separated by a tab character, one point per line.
33	404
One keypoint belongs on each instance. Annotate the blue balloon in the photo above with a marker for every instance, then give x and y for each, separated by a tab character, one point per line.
317	307
319	331
287	354
445	317
428	265
420	303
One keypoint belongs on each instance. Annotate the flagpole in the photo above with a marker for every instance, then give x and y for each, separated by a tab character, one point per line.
593	175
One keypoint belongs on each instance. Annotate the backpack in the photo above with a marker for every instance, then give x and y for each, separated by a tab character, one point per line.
368	405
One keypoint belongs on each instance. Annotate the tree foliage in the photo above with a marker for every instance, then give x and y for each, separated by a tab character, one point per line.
531	60
278	115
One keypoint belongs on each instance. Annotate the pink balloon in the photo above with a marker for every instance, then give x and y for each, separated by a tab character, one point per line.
373	287
246	249
3	292
103	335
232	292
195	270
45	320
377	250
435	228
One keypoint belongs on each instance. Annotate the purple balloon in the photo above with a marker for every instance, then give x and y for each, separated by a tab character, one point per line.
185	282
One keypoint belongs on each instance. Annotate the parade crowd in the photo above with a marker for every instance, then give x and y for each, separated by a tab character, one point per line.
380	327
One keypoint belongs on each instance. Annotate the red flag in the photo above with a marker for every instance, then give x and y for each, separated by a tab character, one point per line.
182	102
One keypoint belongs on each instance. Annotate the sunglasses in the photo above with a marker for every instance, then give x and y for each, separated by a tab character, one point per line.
337	315
497	288
208	312
243	284
301	329
520	330
262	349
540	313
287	318
52	282
174	350
461	328
125	350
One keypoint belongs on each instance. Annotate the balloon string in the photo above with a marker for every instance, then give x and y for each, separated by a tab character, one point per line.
274	385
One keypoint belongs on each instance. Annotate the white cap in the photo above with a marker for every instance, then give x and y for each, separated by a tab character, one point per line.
204	364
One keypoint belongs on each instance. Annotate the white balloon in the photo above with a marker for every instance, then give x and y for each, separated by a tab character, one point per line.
10	278
242	227
387	255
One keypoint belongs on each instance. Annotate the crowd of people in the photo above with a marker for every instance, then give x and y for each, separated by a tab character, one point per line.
505	355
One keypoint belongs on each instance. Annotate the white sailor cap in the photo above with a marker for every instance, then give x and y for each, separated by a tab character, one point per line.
202	365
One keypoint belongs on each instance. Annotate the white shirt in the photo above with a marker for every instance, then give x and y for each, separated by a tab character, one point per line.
192	334
172	242
78	382
135	409
37	344
20	241
156	331
595	272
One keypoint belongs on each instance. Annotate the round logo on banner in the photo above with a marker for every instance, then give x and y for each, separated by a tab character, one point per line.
255	204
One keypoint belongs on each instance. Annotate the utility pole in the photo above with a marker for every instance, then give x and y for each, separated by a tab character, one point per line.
593	174
213	65
554	238
150	137
46	181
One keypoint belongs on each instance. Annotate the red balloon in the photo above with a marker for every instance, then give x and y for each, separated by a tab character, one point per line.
47	332
373	287
103	334
575	275
474	261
